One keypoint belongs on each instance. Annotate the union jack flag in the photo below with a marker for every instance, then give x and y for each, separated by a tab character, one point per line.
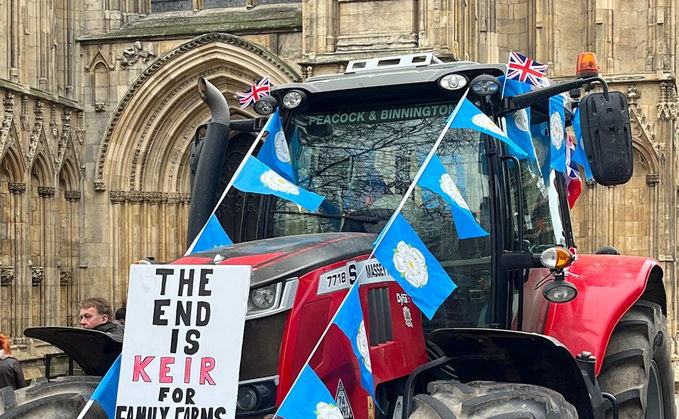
525	69
253	94
573	181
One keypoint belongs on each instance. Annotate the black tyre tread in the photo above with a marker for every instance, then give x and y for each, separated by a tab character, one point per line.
426	406
60	406
486	400
638	339
42	396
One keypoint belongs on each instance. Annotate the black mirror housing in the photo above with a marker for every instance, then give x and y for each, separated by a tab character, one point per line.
607	137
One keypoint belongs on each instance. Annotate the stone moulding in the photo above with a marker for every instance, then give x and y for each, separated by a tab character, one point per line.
16	187
46	191
153	198
37	275
72	195
64	278
6	276
160	63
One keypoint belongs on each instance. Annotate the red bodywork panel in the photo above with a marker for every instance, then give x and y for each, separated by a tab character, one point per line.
334	360
608	285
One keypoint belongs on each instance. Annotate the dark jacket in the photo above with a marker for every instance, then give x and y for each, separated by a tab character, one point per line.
113	329
11	373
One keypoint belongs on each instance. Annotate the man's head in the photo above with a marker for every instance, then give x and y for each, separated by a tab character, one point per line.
120	316
94	311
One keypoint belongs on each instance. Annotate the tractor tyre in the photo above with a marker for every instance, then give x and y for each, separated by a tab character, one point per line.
488	400
636	368
63	398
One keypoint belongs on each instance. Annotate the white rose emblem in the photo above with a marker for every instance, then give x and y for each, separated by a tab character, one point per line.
281	147
482	121
448	186
362	343
276	182
556	130
328	411
521	120
409	261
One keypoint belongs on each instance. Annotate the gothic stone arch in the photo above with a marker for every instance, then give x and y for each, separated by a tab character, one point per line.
143	155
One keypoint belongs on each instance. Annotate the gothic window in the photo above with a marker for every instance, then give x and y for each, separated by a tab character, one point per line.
171	5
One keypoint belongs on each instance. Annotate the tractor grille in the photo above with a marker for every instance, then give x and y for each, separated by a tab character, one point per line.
380	316
261	346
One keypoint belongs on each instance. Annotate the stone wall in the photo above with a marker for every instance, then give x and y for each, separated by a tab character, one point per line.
99	108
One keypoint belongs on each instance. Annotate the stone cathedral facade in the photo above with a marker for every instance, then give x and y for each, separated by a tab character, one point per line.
99	108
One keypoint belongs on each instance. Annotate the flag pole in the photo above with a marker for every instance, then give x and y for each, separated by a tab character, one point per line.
86	409
431	154
229	185
504	83
418	175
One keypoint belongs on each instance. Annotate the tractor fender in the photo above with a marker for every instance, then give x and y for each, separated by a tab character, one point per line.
608	285
516	357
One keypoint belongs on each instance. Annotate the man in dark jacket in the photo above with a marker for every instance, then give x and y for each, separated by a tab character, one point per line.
96	314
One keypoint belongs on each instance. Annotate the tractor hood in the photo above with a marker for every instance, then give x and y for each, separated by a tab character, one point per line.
93	350
284	257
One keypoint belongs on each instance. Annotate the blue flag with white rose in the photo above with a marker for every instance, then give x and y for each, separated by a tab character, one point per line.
557	132
469	116
518	123
349	319
418	272
256	177
436	179
275	151
308	398
213	235
579	155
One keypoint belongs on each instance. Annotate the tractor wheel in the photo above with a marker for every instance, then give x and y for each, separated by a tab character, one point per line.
636	368
487	400
62	398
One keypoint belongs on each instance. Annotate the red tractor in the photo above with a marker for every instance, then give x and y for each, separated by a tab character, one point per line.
532	331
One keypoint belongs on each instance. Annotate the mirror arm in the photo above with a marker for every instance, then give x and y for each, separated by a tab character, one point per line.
524	100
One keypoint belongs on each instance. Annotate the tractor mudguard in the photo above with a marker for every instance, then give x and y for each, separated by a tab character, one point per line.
608	285
517	357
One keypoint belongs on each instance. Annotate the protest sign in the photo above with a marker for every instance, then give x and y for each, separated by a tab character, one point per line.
183	339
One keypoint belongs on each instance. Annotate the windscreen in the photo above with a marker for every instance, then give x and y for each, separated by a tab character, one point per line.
362	162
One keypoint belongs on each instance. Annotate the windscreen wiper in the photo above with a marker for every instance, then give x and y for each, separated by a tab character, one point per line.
366	220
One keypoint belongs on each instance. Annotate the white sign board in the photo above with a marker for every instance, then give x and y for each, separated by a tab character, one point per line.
183	338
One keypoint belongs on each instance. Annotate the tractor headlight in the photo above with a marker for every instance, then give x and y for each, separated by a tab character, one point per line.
560	291
453	81
293	99
264	297
247	399
271	299
485	85
266	105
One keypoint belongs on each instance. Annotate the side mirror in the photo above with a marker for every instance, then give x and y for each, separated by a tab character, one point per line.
607	136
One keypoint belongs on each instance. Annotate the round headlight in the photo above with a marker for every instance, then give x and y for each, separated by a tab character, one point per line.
560	291
264	297
247	399
293	99
453	81
485	85
266	105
